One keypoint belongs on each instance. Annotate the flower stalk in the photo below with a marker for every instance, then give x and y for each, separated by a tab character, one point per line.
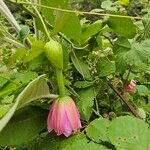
60	81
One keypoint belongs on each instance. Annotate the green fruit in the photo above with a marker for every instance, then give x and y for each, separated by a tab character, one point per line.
54	53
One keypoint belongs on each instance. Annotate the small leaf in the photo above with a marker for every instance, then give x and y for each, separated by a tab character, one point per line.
86	103
108	5
25	77
121	45
105	67
91	30
142	90
2	82
35	51
82	68
82	84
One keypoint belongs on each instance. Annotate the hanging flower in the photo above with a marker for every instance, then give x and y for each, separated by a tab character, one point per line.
130	87
63	117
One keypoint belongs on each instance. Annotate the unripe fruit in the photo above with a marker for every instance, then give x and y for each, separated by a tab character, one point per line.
54	53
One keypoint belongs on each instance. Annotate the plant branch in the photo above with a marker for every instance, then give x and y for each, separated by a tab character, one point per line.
84	12
127	103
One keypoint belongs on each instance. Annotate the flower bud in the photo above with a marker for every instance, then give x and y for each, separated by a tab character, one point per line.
54	53
130	87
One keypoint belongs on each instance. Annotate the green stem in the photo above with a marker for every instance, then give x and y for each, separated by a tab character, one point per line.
60	81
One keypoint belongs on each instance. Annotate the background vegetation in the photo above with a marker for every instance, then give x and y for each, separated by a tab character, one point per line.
106	44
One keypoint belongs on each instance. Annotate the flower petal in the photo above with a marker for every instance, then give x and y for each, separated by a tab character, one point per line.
73	115
50	119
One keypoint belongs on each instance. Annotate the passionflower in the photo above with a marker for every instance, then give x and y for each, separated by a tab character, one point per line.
63	117
130	87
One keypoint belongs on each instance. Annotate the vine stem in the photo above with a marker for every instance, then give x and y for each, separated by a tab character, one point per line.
43	23
84	12
60	81
127	103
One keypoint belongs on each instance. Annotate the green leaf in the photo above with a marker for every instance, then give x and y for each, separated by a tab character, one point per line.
35	51
122	26
25	77
75	142
36	89
91	30
82	68
105	67
135	56
142	90
97	129
142	113
67	23
122	44
24	126
108	5
3	109
129	133
19	54
9	88
82	84
86	103
2	81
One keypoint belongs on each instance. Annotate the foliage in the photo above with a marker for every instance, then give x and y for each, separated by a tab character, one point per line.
105	44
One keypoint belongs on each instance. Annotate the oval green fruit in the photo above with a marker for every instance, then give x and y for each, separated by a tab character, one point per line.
54	53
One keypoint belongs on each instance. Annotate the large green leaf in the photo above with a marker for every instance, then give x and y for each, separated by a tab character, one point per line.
86	102
122	26
36	89
127	55
24	126
67	23
129	133
97	129
75	142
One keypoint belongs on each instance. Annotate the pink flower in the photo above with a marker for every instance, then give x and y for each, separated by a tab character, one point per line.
130	87
63	117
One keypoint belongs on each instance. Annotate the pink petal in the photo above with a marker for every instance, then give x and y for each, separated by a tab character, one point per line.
73	115
61	115
66	126
50	119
